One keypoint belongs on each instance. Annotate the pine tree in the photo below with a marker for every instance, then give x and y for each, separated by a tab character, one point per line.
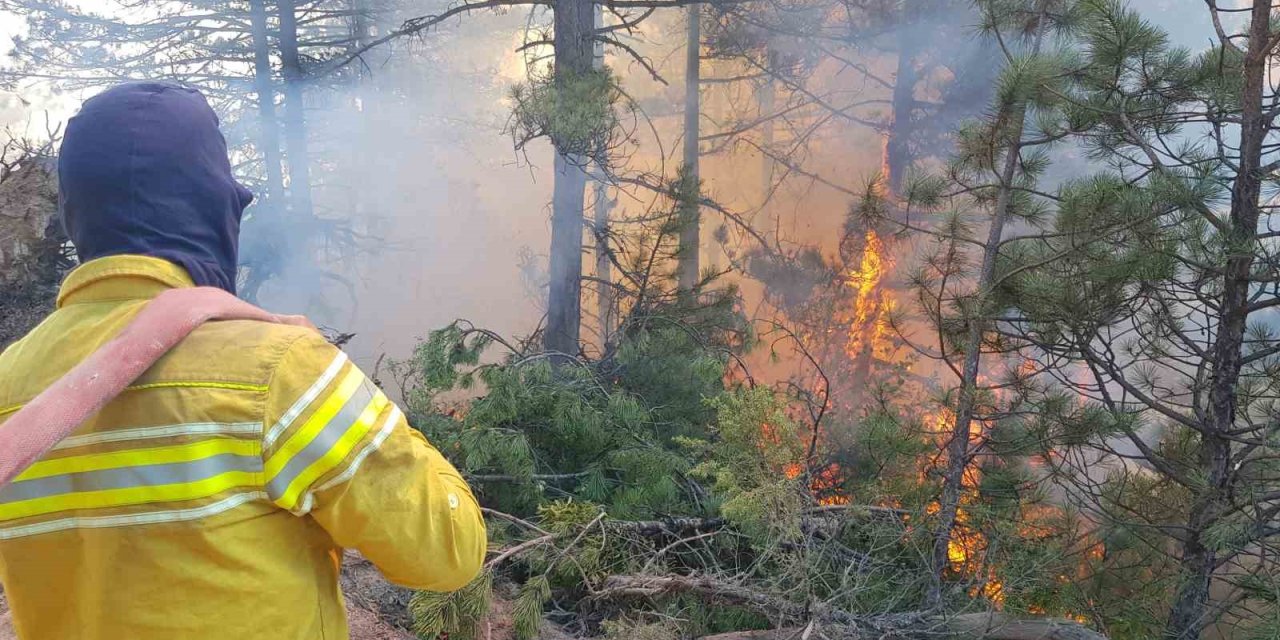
990	187
1157	334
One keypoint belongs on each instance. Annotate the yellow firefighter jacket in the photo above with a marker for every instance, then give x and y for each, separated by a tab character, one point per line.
213	497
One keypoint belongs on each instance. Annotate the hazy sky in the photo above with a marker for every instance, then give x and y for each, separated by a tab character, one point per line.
16	111
1186	20
450	225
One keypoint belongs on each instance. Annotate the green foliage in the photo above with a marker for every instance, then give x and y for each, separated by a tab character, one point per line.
1032	81
533	418
1107	240
576	111
458	613
626	630
1004	486
924	191
756	442
675	367
879	460
1015	438
687	194
439	358
794	280
527	612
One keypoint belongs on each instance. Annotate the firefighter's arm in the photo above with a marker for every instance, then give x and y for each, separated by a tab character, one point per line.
337	450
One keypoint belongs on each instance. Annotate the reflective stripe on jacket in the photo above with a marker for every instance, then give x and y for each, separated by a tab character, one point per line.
212	499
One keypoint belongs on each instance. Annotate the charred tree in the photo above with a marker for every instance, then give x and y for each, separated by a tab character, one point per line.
767	96
33	253
898	155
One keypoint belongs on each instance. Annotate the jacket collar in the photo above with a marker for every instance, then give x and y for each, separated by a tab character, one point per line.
123	277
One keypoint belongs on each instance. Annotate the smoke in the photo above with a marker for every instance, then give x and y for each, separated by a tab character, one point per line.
424	203
427	214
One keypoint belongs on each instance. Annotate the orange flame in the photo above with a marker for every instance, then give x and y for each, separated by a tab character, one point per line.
866	326
967	544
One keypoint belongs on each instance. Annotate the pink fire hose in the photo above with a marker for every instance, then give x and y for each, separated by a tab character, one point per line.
89	386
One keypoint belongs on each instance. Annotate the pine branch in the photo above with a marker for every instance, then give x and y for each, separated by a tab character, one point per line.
987	626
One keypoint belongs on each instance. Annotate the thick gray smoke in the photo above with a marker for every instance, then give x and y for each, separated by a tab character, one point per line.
416	162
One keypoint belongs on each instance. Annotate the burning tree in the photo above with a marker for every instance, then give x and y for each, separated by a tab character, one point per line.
1125	311
997	165
626	491
983	212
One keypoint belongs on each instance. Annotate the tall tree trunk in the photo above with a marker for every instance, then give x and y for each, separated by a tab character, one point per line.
604	266
958	444
362	30
269	129
600	221
690	220
768	102
1199	558
574	28
897	148
368	205
295	123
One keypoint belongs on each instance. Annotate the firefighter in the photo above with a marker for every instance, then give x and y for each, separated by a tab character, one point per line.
213	498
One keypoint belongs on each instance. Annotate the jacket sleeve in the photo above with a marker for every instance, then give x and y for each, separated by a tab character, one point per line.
336	449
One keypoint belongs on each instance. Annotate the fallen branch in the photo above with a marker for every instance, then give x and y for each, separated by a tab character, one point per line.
537	477
669	526
995	626
512	519
767	634
707	587
978	626
517	550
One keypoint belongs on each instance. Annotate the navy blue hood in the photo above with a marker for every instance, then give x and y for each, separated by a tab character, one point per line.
143	170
